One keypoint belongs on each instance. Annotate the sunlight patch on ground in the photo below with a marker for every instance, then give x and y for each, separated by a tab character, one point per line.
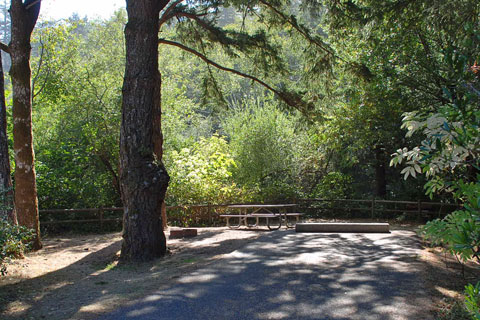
18	308
446	292
274	315
141	312
286	296
198	278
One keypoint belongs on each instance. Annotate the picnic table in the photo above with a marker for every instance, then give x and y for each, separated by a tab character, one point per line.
275	212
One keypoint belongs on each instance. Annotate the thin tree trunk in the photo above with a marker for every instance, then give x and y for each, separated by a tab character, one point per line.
108	165
143	177
26	203
380	175
8	211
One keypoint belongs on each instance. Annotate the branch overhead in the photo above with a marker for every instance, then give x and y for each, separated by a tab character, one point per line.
292	99
4	47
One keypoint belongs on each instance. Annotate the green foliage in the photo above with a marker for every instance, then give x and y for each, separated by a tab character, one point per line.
77	111
449	154
334	185
472	300
454	311
459	231
5	199
449	122
263	143
251	43
14	242
202	173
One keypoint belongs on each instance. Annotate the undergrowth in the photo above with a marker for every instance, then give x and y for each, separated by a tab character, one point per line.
14	242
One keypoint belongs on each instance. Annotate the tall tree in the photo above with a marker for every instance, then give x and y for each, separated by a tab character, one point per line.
24	17
143	177
5	179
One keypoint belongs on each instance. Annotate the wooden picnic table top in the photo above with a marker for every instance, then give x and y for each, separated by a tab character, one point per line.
262	205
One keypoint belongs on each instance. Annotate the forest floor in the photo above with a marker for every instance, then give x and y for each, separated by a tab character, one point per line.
78	276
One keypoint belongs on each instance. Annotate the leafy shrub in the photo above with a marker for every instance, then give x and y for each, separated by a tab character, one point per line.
334	185
452	310
459	232
5	199
14	241
263	140
472	300
202	173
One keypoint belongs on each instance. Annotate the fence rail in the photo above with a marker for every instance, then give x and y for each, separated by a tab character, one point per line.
374	206
208	214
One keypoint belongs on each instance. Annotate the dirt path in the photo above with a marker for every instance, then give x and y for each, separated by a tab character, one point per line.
78	277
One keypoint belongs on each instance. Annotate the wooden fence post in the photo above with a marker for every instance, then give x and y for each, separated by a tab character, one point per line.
209	212
100	216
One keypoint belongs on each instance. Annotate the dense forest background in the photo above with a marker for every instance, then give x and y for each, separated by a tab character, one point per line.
261	102
244	145
227	138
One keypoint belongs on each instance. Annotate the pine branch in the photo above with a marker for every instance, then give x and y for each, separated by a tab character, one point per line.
28	6
289	98
300	29
167	14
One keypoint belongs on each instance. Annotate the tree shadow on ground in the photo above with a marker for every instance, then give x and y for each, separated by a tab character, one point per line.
99	285
284	275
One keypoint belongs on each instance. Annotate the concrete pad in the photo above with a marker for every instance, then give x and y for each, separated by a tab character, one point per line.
343	227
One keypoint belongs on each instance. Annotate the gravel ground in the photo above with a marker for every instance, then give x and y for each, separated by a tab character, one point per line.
286	275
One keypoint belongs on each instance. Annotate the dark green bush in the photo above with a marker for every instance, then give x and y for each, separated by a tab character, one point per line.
14	241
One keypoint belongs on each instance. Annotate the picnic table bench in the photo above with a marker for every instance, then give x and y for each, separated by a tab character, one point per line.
265	211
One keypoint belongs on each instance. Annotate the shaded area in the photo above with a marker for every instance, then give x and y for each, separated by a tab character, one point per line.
95	284
284	275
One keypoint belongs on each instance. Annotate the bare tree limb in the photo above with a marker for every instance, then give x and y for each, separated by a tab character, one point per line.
5	47
40	63
32	4
166	15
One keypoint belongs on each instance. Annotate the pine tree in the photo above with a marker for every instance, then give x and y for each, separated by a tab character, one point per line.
143	177
23	19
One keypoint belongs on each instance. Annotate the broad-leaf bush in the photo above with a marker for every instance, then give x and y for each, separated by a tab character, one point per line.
202	173
472	300
263	140
449	154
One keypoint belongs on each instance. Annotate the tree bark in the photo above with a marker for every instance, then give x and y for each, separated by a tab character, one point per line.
8	211
23	22
143	177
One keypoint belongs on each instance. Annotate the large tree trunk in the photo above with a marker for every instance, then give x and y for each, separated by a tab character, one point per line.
143	177
8	211
26	203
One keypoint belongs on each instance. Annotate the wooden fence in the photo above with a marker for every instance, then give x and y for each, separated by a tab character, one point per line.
377	208
208	214
200	215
